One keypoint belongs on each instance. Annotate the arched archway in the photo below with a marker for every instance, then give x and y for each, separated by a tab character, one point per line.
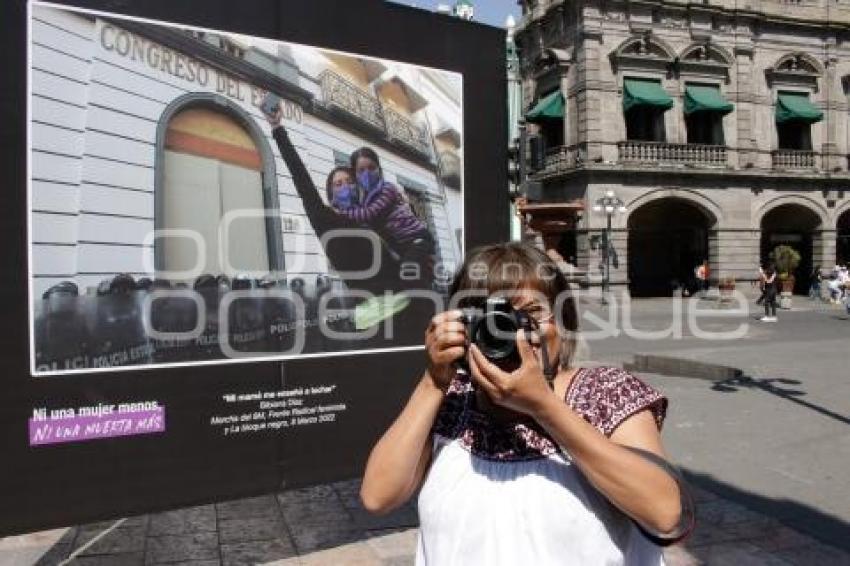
667	239
842	234
795	225
214	162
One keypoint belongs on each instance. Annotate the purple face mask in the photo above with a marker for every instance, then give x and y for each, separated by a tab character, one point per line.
369	180
344	197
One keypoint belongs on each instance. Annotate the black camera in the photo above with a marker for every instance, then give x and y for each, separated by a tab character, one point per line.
493	329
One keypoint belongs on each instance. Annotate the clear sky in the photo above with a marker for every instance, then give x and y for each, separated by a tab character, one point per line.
491	12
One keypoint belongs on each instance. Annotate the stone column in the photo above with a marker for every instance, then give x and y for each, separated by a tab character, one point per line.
824	247
589	105
829	150
734	253
744	107
582	249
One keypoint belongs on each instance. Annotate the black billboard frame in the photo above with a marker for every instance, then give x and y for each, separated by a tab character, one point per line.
58	485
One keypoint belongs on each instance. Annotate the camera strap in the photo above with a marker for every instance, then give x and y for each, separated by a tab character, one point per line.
549	370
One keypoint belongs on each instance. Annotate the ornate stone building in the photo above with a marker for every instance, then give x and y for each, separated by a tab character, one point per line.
722	125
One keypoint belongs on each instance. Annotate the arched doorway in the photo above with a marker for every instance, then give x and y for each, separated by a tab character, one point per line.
214	163
842	232
792	225
667	239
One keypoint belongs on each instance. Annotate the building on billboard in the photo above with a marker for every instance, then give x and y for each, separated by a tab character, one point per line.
122	109
722	127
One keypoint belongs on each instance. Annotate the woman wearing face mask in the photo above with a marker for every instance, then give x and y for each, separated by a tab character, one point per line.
383	208
547	464
346	253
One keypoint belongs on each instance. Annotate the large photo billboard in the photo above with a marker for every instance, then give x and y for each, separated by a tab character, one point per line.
198	196
227	227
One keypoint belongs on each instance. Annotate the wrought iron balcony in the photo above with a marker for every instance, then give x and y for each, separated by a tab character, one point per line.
405	131
450	168
663	153
793	159
339	93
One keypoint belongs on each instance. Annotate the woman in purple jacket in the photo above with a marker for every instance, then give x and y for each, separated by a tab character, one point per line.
382	207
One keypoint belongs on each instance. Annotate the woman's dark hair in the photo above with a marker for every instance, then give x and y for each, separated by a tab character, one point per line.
368	153
770	269
329	188
512	266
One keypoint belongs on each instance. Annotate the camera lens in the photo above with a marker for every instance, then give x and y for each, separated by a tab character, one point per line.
495	335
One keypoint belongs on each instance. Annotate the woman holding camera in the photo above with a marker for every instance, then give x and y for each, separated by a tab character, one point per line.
544	464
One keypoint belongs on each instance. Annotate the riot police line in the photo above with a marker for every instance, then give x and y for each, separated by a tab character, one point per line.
127	321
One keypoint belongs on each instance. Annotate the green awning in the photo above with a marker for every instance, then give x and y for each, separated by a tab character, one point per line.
796	107
705	99
645	92
550	107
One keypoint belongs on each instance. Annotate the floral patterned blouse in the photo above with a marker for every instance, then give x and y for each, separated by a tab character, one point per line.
604	396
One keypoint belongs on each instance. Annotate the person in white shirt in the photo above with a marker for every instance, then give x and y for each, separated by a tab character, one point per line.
547	464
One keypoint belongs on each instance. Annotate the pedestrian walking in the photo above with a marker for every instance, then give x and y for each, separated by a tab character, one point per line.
815	283
760	284
770	292
702	272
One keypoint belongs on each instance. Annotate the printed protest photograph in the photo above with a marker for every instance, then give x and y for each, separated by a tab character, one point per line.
198	196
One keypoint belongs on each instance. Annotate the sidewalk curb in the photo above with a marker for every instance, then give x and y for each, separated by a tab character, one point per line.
681	367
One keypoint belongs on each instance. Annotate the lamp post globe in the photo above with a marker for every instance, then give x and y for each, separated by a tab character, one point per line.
610	204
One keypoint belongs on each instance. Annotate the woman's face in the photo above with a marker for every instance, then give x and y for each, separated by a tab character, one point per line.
537	305
365	164
339	180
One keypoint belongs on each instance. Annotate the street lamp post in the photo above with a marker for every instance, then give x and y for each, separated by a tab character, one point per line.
610	204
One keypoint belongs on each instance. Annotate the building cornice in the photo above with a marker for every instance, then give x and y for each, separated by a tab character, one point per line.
205	52
834	17
262	78
752	177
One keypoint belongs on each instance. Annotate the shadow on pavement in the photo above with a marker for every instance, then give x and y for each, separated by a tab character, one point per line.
783	528
769	385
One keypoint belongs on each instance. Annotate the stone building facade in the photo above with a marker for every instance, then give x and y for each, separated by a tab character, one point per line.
722	125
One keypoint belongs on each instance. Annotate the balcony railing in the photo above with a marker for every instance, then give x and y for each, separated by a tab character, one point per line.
450	168
557	160
560	158
671	153
339	93
793	159
405	131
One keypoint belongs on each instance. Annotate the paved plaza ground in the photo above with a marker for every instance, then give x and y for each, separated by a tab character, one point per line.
758	422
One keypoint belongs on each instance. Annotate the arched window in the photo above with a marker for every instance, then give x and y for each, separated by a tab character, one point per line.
794	80
215	177
641	63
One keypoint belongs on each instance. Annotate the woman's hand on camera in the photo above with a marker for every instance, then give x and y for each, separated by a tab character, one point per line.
524	390
445	343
